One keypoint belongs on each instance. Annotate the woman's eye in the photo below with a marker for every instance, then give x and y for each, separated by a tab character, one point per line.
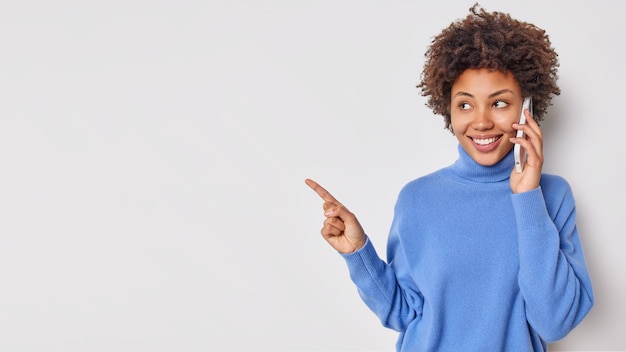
500	104
464	106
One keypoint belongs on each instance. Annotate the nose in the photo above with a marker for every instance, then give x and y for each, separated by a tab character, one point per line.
482	120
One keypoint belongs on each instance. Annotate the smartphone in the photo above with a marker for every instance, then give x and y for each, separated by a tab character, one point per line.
518	151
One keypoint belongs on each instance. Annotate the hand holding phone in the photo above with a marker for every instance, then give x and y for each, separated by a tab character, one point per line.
518	151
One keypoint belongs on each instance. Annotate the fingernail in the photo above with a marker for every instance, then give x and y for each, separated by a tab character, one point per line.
328	212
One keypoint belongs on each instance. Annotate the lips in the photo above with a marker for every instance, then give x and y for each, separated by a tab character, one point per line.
486	144
485	141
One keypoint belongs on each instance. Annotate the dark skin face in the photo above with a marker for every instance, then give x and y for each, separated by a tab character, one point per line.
485	108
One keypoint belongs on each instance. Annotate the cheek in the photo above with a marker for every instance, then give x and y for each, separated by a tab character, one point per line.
506	120
506	124
459	125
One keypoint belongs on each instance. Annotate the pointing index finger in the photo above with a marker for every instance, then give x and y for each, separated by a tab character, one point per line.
321	191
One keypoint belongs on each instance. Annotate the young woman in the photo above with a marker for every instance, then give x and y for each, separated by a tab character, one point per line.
480	257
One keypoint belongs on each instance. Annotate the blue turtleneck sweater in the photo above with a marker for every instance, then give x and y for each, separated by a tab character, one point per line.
473	267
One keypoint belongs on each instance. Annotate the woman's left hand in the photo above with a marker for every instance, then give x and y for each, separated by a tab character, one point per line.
529	178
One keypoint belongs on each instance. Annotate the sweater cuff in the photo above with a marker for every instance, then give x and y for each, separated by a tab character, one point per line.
362	262
530	209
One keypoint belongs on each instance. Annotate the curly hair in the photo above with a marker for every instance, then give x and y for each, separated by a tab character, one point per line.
493	41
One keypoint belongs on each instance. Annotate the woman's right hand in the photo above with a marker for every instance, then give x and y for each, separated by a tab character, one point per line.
341	228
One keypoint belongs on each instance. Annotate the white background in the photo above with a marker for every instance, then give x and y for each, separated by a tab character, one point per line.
153	155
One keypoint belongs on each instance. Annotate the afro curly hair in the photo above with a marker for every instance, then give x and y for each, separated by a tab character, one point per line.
493	41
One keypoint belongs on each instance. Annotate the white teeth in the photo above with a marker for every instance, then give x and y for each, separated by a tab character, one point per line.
485	141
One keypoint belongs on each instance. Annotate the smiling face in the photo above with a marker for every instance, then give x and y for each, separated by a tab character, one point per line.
484	106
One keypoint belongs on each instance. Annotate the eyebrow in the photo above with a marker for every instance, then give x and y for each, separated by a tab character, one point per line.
494	94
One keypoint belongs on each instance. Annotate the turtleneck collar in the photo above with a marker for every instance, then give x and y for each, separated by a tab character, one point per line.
469	169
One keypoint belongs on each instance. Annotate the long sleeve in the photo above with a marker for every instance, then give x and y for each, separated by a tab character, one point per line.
380	289
553	278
